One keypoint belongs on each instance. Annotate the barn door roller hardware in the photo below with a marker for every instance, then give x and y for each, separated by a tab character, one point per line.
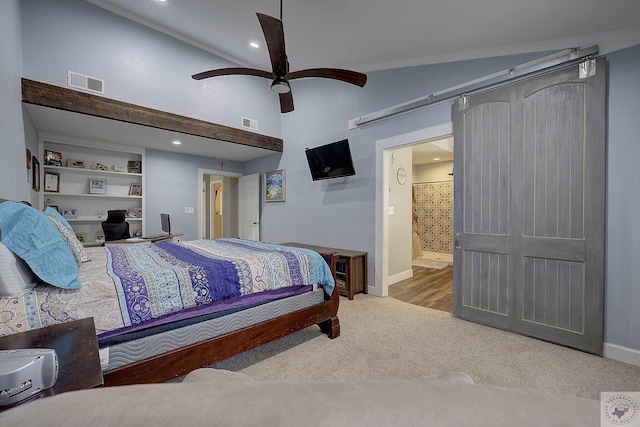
544	65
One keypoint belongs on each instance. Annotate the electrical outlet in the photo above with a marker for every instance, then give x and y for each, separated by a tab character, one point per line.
188	209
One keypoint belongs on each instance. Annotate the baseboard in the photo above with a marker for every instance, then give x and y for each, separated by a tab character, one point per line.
622	354
400	276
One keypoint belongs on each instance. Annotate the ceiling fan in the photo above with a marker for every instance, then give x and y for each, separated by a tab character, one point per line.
274	35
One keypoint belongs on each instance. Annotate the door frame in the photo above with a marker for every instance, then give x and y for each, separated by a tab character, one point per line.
211	205
381	267
201	173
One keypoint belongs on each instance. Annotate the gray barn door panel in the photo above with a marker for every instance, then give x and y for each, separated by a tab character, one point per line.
529	208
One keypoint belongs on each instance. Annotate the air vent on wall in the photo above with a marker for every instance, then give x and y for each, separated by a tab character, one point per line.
81	81
249	123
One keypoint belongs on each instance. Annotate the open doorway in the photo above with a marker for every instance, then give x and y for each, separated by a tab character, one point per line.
432	203
385	273
218	204
431	284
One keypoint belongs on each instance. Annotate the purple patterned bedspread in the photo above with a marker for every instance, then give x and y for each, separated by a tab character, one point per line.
153	280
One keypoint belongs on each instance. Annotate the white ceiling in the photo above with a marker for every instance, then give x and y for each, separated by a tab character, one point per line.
367	35
428	152
363	35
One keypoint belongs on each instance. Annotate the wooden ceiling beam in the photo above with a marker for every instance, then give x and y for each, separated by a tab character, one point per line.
47	95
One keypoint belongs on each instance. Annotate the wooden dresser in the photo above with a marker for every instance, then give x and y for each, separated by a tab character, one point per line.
351	268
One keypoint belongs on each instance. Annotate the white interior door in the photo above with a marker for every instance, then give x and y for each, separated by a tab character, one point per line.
249	207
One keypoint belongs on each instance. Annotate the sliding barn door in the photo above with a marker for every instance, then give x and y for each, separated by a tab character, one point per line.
529	207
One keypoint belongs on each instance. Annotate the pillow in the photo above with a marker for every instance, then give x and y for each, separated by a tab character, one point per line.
30	235
75	246
15	275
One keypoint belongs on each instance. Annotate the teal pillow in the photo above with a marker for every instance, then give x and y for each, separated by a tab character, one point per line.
30	235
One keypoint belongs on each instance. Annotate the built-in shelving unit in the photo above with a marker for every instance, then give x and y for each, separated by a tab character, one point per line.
84	194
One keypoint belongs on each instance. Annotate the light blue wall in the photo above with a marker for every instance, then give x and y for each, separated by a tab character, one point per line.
14	177
171	183
340	213
31	142
143	67
622	284
139	65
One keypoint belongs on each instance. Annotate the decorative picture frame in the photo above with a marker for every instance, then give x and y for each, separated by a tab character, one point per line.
134	166
78	164
35	174
80	236
274	186
135	189
28	159
97	186
52	207
70	213
51	182
52	158
134	213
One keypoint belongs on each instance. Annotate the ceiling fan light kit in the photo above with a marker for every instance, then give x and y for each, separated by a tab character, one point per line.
280	85
274	36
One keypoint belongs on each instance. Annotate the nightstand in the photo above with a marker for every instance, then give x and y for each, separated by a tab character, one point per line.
76	346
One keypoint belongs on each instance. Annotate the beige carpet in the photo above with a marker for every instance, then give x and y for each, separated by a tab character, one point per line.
384	338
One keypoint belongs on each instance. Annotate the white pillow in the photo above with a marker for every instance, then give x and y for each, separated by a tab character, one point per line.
15	275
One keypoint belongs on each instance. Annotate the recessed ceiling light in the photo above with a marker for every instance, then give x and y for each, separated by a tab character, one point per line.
254	45
176	142
436	158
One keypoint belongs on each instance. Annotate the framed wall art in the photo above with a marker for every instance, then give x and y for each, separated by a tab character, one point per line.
134	166
79	164
135	190
35	174
96	186
274	186
70	213
52	158
52	182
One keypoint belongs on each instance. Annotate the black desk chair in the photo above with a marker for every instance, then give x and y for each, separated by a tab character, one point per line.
115	227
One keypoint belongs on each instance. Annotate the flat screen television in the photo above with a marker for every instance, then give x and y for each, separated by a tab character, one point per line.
165	222
330	161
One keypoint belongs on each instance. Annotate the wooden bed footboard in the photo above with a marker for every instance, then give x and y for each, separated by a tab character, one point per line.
181	361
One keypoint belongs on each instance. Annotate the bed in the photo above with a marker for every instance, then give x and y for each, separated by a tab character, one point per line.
160	309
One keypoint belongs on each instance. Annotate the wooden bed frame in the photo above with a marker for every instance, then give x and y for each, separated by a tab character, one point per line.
184	360
181	361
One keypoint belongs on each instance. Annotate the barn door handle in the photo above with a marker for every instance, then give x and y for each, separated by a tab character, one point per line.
456	241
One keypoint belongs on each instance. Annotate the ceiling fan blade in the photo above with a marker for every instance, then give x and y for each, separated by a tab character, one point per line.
234	71
352	77
286	102
274	36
